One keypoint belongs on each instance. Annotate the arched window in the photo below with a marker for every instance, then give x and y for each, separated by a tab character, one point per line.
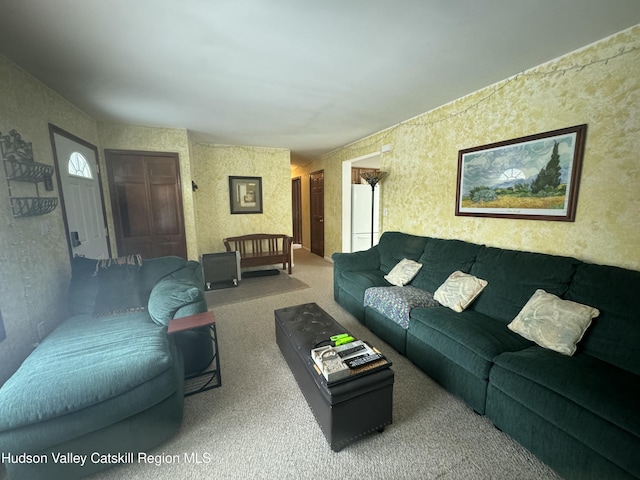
78	166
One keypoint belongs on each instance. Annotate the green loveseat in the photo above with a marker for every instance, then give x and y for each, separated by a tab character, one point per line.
579	414
108	380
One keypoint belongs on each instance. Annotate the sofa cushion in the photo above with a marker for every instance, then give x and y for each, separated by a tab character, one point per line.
83	287
180	289
470	338
396	303
191	273
119	287
589	399
154	269
442	257
168	296
514	276
362	260
553	323
614	336
403	272
394	246
459	291
355	283
109	378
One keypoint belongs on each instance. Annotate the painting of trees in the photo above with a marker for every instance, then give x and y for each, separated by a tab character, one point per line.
531	177
549	176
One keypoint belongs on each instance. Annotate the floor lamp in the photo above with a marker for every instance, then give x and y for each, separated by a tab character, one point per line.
373	178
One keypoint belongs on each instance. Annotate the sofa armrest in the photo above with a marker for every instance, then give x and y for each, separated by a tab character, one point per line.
357	261
191	309
353	262
178	294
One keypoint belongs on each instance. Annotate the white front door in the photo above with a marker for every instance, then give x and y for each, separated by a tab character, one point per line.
81	196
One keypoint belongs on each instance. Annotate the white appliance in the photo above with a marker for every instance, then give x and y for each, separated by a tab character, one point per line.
361	216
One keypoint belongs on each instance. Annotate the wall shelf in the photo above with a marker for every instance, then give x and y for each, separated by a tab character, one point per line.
21	171
20	167
33	206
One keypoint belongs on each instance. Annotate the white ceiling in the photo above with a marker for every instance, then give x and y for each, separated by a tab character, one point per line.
309	76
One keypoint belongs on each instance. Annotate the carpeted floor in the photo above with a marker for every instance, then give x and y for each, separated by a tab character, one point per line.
257	425
254	287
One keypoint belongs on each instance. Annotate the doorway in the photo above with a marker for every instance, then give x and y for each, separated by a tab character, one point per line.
316	180
296	209
81	196
146	199
368	161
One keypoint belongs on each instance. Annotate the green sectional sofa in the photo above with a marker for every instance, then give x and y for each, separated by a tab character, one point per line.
108	380
578	413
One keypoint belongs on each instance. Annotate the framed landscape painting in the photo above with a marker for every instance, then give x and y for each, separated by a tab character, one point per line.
534	177
245	194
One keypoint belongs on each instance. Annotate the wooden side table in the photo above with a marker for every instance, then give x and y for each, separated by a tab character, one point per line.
209	377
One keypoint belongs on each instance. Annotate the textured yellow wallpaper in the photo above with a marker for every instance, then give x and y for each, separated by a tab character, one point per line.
598	85
152	139
34	261
211	167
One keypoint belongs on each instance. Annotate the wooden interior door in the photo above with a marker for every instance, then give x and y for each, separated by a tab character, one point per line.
296	208
317	212
147	203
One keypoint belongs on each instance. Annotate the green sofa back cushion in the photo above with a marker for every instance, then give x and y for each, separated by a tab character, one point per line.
168	296
514	276
119	287
614	336
153	269
394	246
83	288
441	258
181	288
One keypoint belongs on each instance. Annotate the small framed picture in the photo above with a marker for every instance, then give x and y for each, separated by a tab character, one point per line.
534	177
245	194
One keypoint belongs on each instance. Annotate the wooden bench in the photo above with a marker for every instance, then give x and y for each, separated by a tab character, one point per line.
261	249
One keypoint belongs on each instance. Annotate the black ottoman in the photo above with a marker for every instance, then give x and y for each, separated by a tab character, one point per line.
345	410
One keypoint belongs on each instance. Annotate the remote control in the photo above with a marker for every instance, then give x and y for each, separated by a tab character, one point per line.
360	361
343	340
338	337
349	351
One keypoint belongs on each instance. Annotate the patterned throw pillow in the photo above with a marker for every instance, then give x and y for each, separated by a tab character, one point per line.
552	322
459	290
403	272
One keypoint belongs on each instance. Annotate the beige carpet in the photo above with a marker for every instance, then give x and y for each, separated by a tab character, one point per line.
252	288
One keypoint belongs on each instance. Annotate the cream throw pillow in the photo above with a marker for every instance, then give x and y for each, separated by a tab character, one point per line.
403	272
459	290
552	322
